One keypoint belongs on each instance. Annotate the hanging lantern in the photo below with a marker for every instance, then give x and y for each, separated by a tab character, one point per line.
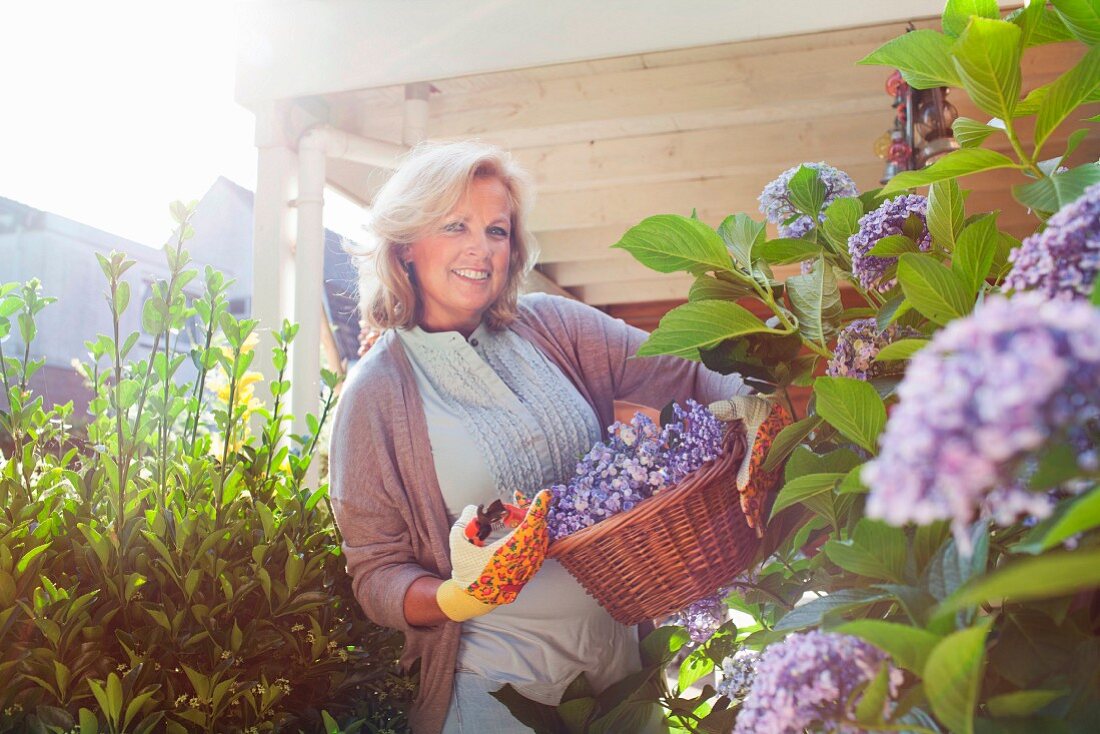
921	133
934	117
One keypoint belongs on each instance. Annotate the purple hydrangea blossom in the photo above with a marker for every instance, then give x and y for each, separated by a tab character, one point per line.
735	676
638	460
979	403
806	682
702	618
856	347
775	200
1063	260
888	219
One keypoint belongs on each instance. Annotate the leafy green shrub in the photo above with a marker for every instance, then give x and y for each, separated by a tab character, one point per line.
161	569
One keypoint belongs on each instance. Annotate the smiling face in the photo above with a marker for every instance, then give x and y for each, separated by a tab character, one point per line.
461	264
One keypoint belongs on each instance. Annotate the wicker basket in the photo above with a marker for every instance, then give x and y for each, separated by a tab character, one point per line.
670	549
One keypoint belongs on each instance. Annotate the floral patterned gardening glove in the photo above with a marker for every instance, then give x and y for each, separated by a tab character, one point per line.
763	419
485	576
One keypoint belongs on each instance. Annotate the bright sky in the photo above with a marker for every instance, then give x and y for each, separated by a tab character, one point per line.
115	108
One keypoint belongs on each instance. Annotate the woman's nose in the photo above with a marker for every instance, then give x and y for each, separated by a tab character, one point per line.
478	243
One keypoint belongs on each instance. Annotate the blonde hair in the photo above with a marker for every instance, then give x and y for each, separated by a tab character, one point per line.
429	184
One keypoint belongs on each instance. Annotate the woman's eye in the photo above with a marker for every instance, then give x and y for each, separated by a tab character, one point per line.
453	227
498	231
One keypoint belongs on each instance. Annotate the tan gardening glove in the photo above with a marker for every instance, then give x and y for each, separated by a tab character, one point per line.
484	577
763	418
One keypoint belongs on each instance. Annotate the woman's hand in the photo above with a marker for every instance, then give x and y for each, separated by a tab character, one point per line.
763	419
484	577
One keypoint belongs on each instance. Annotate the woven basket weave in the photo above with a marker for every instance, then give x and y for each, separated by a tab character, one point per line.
670	549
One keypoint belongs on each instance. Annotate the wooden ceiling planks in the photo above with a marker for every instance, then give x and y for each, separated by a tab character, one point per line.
612	141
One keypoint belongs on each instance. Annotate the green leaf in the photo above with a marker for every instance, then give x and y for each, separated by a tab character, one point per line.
957	163
923	57
1023	703
1052	193
1082	18
686	329
951	568
122	296
975	251
815	300
987	57
741	234
538	716
853	407
668	243
153	313
1066	93
875	550
662	643
1042	577
872	700
908	646
842	221
952	677
804	461
893	245
970	133
788	250
811	613
802	488
901	349
1095	298
807	191
30	555
88	722
708	288
787	439
114	697
933	289
575	713
1039	25
1006	243
694	667
957	13
946	215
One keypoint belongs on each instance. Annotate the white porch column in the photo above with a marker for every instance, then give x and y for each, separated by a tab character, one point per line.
308	282
272	241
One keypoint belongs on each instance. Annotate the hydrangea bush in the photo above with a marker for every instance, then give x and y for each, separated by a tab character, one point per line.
932	562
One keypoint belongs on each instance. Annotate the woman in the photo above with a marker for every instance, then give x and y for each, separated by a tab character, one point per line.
470	394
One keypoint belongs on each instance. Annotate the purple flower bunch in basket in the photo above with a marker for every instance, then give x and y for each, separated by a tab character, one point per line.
638	460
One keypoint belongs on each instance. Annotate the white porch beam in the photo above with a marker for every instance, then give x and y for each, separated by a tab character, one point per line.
293	49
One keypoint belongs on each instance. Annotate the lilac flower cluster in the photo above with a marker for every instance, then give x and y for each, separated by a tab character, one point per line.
775	199
807	681
979	403
888	219
735	677
857	345
1063	260
702	618
638	460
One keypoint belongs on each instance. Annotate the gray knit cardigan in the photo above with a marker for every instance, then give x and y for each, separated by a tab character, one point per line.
384	490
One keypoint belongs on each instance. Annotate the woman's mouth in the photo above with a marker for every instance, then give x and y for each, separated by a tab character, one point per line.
474	275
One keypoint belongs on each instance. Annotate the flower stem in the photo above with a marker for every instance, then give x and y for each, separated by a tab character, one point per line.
1027	161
